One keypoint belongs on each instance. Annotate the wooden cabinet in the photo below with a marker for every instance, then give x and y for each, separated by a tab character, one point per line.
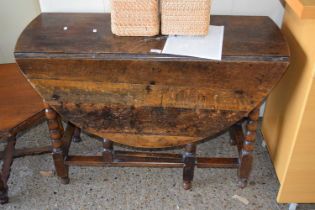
289	121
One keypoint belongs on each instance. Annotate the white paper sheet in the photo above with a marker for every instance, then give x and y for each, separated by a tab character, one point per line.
209	47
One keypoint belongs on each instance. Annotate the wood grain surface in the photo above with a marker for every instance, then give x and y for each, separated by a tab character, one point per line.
115	88
18	100
243	36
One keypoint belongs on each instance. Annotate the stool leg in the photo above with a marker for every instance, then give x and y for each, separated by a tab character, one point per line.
246	156
6	168
56	132
189	159
3	192
77	135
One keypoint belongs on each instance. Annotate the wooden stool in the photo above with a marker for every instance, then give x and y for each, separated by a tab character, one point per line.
20	108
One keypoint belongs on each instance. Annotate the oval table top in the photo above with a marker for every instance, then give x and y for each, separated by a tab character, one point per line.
114	87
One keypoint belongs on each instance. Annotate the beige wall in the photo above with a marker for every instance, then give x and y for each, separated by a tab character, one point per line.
271	8
14	16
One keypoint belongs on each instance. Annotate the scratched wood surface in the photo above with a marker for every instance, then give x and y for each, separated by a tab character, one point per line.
19	103
115	88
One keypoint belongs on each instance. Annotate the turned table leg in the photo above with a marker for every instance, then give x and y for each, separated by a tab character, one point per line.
56	132
234	141
189	159
107	151
246	156
77	135
6	168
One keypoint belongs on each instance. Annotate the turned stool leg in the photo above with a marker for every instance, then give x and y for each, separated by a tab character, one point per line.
56	132
246	156
6	168
77	135
189	159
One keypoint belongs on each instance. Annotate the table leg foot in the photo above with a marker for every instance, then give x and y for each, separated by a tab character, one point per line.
189	159
76	138
187	185
242	183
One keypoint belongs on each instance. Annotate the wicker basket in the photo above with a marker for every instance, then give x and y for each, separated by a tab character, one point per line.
185	17
135	17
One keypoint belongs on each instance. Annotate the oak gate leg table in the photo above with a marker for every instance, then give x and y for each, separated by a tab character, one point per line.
113	87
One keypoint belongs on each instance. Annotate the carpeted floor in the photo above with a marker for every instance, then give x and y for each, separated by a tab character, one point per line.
32	187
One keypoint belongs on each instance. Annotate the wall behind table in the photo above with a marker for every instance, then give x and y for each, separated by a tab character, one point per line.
271	8
14	16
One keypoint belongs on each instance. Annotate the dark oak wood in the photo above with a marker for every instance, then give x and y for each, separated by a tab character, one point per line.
67	138
189	159
114	88
219	162
237	136
107	150
145	159
240	37
56	133
77	135
148	126
123	162
3	192
6	168
246	155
